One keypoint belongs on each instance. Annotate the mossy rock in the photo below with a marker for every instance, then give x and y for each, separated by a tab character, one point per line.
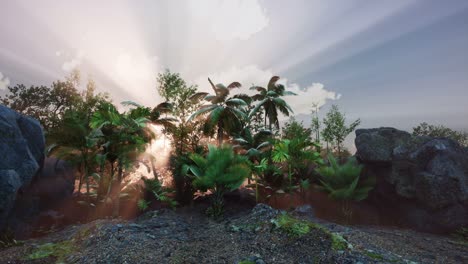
297	228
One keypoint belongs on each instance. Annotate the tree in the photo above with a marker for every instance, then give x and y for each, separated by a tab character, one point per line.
424	129
336	130
271	102
296	130
73	139
315	122
125	136
220	171
177	92
77	142
225	113
253	145
48	104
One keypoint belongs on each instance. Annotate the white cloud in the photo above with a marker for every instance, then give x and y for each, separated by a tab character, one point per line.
4	82
253	75
233	19
76	61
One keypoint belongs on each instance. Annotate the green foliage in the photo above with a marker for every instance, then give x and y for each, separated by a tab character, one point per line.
271	102
424	129
161	193
143	205
220	171
225	113
336	130
296	130
342	182
296	153
49	104
253	145
58	250
181	178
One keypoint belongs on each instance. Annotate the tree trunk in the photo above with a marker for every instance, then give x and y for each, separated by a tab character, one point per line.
86	174
220	133
339	152
116	192
80	182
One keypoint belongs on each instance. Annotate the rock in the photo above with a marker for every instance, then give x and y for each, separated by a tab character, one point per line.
304	210
425	179
22	147
54	183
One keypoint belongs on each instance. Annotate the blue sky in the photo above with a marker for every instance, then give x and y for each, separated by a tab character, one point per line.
391	63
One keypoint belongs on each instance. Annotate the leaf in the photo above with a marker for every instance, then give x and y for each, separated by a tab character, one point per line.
234	85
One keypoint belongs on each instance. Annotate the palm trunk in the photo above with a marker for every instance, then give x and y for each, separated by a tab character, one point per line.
86	172
220	133
116	207
80	181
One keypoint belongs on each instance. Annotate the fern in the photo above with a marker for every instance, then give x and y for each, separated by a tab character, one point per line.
343	182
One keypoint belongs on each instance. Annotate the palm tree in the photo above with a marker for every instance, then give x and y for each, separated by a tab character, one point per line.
227	113
126	136
77	143
270	100
253	145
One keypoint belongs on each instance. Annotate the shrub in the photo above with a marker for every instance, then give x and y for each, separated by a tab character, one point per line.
220	171
161	193
424	129
343	182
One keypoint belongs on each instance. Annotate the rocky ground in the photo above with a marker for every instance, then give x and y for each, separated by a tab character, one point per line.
245	235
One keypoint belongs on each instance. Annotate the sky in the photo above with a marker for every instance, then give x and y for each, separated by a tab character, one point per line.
390	63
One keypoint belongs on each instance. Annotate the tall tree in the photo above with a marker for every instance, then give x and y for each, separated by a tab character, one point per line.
224	112
177	92
315	122
336	130
271	102
126	136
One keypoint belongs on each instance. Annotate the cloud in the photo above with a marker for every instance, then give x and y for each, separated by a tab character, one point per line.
233	19
4	82
76	61
253	75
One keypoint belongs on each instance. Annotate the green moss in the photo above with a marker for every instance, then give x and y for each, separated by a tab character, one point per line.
292	226
247	262
58	250
297	228
338	242
374	255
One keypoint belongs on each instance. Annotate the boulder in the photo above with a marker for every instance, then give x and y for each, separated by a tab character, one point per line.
22	147
424	179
